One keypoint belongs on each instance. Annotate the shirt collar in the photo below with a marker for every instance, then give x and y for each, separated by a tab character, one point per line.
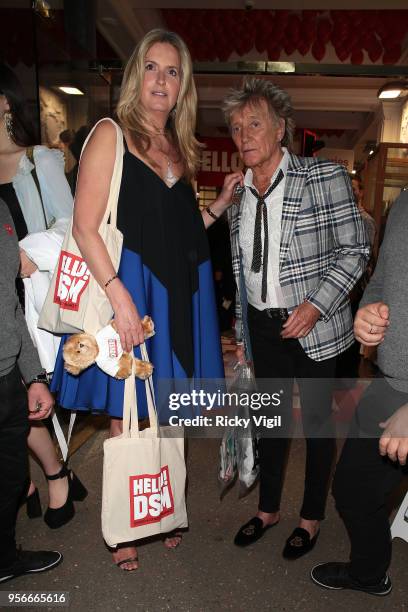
284	162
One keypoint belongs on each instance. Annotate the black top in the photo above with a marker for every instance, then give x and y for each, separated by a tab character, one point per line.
164	226
8	195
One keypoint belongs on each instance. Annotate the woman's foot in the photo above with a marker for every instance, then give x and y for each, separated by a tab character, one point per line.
126	558
173	540
57	492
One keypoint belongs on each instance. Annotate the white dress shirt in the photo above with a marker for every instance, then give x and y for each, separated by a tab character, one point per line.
274	203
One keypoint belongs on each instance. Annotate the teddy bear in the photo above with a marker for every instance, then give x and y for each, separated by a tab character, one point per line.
82	350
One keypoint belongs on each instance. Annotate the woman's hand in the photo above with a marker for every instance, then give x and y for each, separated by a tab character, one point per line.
127	320
27	267
224	200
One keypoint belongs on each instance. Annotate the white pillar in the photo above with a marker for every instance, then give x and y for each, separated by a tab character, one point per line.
390	128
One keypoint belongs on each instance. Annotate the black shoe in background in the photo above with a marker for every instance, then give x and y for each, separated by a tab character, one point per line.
31	562
336	576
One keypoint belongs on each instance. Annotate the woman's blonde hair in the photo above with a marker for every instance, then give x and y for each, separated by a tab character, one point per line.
182	119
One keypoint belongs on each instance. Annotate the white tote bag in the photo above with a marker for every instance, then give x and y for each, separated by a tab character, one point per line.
75	302
144	475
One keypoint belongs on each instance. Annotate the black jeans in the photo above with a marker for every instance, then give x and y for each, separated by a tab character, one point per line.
283	360
14	428
364	481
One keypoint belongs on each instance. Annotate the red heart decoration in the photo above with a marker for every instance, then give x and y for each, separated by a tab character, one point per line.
357	56
318	50
274	53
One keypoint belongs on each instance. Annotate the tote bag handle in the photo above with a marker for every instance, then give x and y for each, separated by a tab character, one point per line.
112	205
130	410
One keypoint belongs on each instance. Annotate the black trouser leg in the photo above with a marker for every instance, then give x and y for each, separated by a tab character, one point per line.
316	382
282	360
363	482
13	459
271	362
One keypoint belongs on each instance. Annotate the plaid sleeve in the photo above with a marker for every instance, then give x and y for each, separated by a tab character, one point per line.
351	247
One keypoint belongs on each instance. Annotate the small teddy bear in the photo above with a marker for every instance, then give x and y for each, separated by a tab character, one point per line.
82	350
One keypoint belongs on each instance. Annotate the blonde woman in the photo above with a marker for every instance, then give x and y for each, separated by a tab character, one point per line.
165	270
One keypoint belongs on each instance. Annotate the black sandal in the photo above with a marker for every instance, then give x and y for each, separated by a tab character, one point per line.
57	517
252	531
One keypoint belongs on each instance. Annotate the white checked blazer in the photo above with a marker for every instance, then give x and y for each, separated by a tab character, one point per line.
324	250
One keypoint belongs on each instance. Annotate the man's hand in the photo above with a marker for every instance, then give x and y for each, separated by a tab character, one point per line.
27	267
371	323
301	321
40	402
394	441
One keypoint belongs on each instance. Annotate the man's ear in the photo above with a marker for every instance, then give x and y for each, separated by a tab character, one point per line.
281	128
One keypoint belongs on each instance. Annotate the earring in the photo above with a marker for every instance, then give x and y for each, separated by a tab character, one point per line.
8	122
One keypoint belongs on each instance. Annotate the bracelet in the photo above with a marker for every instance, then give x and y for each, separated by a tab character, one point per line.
108	282
211	213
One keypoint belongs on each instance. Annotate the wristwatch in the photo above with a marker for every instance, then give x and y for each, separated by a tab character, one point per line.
40	378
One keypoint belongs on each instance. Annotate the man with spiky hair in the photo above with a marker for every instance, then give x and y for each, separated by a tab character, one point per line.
299	247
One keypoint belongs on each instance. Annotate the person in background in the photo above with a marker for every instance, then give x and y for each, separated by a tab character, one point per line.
220	249
369	223
298	247
34	187
19	360
65	140
75	148
165	270
348	363
374	457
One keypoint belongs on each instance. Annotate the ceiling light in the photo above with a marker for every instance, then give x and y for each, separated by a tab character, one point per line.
392	90
371	152
73	91
353	171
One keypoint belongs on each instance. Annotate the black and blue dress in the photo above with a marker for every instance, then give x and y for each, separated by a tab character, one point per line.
165	266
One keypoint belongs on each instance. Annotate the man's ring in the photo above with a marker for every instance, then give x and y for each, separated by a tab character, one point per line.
371	329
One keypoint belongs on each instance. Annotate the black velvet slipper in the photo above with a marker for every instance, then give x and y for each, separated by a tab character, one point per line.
251	532
299	543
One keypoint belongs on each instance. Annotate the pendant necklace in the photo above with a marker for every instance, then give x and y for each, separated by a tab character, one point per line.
170	177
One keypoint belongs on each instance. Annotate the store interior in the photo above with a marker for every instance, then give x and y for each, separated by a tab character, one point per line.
347	74
339	66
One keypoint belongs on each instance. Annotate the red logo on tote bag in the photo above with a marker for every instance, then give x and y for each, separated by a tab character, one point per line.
72	280
151	498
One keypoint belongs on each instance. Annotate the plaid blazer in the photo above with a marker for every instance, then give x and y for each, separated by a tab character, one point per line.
324	250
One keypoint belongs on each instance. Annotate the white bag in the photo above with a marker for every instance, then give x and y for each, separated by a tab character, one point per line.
75	302
144	475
